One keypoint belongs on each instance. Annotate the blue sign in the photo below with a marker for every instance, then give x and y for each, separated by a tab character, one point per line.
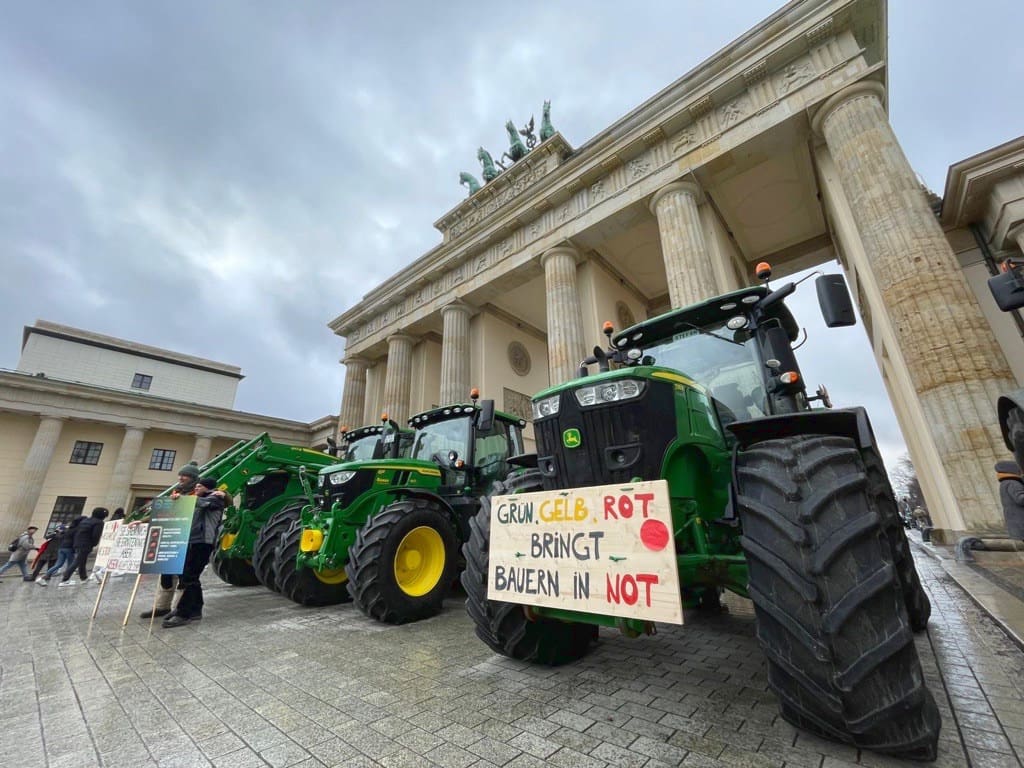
170	524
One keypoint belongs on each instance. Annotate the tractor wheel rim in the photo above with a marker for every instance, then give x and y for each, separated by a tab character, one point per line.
331	575
419	561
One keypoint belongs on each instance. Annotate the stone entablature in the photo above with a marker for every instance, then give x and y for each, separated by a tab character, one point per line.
790	63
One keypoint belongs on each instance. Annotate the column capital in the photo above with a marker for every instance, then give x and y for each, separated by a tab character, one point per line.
863	89
685	187
355	360
560	249
458	305
400	336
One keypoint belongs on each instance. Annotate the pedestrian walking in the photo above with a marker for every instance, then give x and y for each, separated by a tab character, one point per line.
65	551
87	536
1011	494
187	477
202	536
46	555
19	549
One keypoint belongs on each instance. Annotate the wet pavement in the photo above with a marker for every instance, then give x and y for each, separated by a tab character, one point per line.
261	681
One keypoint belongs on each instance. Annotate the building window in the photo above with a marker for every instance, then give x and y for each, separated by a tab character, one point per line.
65	510
141	381
85	452
162	459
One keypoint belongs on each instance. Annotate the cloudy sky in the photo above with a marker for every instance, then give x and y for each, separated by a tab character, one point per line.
223	178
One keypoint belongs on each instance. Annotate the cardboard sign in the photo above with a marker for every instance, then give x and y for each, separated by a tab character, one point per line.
126	547
606	549
106	544
170	524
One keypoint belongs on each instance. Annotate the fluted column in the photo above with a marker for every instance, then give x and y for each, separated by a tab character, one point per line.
455	353
1017	235
124	467
33	475
201	450
955	364
353	398
565	330
397	378
688	265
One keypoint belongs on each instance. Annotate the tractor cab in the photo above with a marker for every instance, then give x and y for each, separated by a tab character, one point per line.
471	443
378	441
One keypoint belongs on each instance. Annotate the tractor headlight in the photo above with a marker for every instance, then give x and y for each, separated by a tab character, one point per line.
339	478
609	392
547	406
254	479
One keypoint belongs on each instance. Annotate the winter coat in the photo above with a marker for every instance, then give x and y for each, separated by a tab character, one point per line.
67	539
206	520
88	532
1011	493
25	545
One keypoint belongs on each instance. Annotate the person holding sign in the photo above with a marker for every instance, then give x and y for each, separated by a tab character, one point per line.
201	540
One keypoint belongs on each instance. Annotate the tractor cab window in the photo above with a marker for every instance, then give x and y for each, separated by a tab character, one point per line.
491	451
363	449
440	437
726	364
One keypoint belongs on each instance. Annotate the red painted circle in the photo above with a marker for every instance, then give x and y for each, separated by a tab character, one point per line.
654	535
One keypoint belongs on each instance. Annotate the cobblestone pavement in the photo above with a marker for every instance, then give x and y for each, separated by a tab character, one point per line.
261	681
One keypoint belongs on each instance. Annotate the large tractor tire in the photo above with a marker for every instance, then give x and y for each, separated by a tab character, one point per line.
305	586
505	627
403	562
264	562
919	608
233	570
831	616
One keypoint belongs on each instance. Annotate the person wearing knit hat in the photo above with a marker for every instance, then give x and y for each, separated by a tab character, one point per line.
1011	494
202	538
190	470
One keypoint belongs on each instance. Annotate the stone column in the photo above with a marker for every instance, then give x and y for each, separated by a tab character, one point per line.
455	353
1017	235
955	364
121	479
565	329
201	450
33	475
353	398
688	264
398	378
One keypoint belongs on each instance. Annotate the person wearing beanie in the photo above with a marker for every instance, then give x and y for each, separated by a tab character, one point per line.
187	477
1011	494
201	540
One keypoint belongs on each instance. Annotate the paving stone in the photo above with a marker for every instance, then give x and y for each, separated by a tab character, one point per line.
494	751
451	756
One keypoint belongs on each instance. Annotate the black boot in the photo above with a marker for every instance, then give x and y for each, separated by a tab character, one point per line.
154	613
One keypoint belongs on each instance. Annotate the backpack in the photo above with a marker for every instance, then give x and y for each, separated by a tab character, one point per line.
13	546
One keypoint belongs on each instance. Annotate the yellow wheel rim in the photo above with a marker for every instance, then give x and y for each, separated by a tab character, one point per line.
419	561
331	575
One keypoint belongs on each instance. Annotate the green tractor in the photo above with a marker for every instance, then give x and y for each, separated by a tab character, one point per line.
765	497
386	533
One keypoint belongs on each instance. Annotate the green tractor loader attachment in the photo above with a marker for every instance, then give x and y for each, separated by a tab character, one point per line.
764	496
386	533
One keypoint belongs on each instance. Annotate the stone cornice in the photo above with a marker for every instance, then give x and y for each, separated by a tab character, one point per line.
969	181
800	46
23	393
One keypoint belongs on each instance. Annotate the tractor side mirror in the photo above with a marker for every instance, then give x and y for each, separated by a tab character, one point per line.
485	416
1008	290
834	300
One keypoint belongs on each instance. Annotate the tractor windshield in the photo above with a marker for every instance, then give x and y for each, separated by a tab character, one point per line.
439	437
729	368
363	449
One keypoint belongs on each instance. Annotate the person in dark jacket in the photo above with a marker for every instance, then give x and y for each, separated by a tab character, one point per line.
203	535
65	551
46	556
87	536
187	477
1011	494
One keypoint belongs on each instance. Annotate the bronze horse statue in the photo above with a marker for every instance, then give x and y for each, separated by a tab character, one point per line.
469	180
490	172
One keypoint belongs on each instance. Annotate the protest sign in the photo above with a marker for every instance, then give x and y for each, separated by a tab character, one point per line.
126	547
106	544
606	549
170	524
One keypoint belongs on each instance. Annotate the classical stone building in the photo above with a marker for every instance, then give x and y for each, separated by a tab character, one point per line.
89	420
777	148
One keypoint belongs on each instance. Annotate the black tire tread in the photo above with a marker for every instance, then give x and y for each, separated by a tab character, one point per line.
263	551
301	585
233	570
831	614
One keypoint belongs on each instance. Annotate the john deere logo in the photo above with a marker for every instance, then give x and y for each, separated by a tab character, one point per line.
571	438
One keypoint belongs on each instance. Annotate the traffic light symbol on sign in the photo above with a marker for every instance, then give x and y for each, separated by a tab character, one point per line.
153	544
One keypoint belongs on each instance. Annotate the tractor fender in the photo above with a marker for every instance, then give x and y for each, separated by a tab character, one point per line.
1004	405
418	493
840	422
